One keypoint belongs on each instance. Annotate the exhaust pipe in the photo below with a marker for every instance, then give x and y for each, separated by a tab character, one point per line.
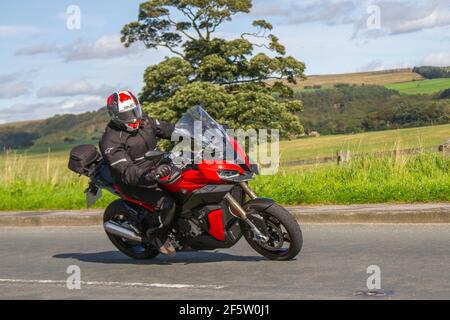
116	229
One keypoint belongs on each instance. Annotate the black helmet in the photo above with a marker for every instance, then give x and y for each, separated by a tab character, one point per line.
125	110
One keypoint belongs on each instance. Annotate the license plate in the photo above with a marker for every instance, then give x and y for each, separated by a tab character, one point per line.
92	196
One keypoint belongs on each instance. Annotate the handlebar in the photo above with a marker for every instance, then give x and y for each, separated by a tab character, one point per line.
174	177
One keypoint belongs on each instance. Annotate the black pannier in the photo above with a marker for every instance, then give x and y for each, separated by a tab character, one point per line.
83	159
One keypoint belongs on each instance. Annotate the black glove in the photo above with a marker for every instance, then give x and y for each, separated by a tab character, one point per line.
163	170
160	172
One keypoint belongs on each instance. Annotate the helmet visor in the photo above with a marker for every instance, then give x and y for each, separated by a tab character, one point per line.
130	116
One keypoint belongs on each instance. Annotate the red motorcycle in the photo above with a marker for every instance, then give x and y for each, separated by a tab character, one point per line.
215	206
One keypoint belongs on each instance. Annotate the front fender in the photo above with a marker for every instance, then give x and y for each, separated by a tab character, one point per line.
259	204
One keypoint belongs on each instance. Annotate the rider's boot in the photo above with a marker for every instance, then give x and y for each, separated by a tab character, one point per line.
158	235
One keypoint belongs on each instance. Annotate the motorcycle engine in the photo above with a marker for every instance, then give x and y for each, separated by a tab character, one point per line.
196	222
189	228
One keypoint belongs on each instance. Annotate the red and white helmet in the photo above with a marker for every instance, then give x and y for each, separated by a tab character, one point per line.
125	110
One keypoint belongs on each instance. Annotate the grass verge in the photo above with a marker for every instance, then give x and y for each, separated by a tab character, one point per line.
406	179
32	183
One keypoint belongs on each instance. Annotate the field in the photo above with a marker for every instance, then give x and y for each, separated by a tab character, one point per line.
421	87
367	78
42	181
326	146
406	179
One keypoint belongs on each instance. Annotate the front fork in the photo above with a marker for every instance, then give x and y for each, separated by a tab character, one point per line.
242	214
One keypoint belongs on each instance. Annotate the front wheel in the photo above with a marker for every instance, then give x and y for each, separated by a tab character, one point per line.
285	236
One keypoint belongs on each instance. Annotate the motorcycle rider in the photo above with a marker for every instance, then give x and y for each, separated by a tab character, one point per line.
128	137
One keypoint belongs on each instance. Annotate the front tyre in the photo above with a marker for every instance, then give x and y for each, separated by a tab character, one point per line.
285	236
118	213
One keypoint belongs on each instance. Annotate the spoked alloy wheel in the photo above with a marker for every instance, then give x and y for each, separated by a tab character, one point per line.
116	212
285	236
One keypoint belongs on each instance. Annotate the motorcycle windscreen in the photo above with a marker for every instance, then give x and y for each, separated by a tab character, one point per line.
203	139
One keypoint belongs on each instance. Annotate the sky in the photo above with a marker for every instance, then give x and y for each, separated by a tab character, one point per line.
51	65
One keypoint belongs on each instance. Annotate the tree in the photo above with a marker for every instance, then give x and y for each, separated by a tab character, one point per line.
236	86
433	72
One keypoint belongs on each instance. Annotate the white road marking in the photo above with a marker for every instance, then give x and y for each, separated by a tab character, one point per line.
117	284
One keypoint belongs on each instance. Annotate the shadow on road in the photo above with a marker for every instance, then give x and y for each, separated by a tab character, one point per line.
115	257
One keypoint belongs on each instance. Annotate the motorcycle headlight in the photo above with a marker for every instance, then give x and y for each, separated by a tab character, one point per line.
228	174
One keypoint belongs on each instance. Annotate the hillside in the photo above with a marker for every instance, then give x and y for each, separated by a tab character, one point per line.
360	78
345	103
348	109
326	146
428	86
58	132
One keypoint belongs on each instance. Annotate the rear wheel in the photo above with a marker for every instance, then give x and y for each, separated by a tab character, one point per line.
118	213
285	236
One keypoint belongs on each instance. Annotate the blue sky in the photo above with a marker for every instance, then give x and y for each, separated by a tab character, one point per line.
47	68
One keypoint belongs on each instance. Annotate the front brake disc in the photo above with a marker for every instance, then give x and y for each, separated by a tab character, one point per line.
276	238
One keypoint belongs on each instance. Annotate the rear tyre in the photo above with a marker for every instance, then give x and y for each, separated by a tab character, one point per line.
117	212
285	236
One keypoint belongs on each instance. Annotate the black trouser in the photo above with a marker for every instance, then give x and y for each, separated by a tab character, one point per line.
161	200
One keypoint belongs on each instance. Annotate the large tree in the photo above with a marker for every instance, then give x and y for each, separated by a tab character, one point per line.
238	87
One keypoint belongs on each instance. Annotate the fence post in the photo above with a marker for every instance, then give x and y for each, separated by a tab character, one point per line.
343	157
445	149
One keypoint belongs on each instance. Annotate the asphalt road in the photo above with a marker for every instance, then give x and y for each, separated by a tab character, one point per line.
414	261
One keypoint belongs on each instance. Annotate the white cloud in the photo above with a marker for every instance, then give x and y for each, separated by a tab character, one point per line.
75	88
379	65
104	48
11	86
82	105
13	90
298	12
271	10
397	16
440	59
45	109
36	49
5	78
11	30
436	18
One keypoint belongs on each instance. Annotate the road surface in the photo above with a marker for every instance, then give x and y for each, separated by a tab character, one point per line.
414	262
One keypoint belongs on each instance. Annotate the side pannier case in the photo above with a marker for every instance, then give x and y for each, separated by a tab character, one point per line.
83	159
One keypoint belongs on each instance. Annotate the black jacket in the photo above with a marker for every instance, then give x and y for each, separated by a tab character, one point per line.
124	151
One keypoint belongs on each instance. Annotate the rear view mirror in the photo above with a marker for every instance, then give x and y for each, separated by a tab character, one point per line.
154	155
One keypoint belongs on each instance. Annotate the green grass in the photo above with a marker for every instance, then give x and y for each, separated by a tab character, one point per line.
421	87
422	178
326	146
44	182
31	180
37	195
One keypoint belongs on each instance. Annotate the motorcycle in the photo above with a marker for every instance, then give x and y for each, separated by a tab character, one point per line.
215	205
